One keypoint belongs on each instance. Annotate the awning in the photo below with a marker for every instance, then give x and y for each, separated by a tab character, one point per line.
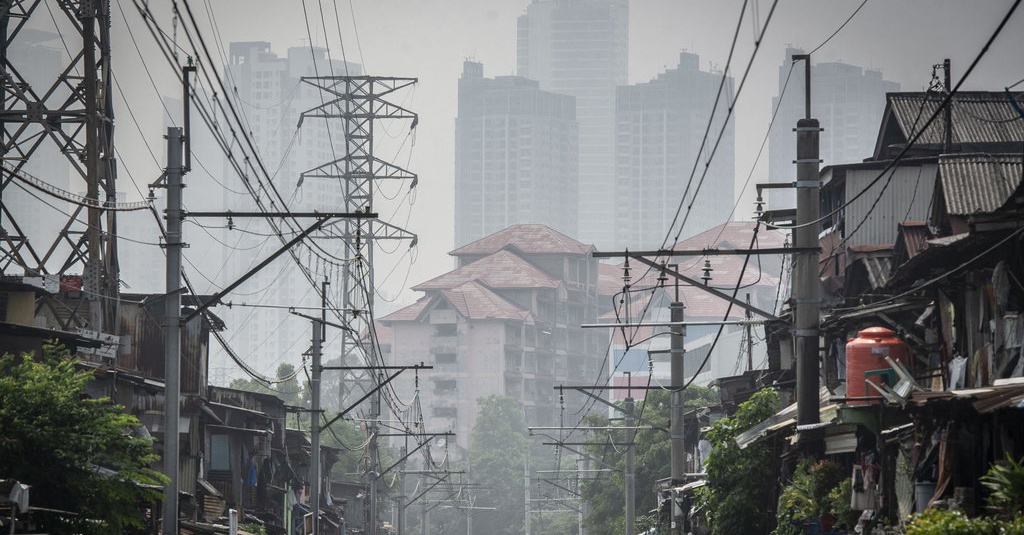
690	486
786	418
1007	395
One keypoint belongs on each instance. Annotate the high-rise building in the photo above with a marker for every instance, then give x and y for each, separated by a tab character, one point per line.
515	156
580	48
271	97
659	129
39	59
848	102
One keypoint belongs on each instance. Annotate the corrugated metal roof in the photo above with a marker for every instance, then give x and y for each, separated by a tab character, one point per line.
913	237
979	183
502	269
877	268
977	117
530	239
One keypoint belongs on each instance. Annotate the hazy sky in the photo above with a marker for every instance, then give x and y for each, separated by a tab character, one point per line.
429	39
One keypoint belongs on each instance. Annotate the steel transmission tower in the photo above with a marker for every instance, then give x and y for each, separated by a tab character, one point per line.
74	115
359	102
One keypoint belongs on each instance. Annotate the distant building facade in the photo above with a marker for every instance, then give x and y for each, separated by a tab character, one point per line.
580	48
847	100
659	128
506	321
39	59
515	156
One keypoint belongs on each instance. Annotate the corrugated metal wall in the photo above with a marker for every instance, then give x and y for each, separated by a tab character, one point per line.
907	197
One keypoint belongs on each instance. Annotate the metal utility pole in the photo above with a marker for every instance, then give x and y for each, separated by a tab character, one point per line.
172	333
360	102
806	293
947	113
630	475
76	113
314	417
750	338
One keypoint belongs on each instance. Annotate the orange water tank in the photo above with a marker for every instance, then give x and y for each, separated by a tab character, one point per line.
866	354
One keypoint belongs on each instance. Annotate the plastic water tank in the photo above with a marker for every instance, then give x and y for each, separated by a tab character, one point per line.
867	353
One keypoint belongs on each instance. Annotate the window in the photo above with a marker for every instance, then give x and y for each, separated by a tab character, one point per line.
220	452
444	412
446	358
446	329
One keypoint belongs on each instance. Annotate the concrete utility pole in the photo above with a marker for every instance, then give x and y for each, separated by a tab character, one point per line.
314	417
678	378
806	284
750	337
630	475
172	333
526	485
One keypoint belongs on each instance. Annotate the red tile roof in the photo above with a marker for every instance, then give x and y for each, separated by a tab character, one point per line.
530	239
476	302
472	300
502	269
732	235
409	313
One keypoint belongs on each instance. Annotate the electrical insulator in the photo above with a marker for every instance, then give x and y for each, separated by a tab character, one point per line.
706	277
758	207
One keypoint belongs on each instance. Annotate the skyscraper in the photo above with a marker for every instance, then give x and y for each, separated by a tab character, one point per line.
659	128
38	57
580	48
846	99
515	156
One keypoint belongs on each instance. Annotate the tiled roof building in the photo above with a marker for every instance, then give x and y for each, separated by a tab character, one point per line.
506	322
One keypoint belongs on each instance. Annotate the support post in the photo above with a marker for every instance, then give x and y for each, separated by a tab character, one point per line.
526	485
947	112
678	380
750	338
630	475
172	333
806	285
314	464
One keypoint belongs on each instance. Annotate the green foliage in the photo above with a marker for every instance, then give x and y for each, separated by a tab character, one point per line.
288	388
839	498
814	491
57	440
1005	482
498	446
943	522
737	496
605	496
255	529
560	524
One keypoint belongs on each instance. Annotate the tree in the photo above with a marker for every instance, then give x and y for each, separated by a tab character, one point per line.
498	447
287	386
652	455
78	454
738	497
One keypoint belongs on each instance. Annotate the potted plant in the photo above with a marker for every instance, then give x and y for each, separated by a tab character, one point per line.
812	502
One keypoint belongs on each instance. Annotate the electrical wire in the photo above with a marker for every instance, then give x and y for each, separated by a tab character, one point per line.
913	139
